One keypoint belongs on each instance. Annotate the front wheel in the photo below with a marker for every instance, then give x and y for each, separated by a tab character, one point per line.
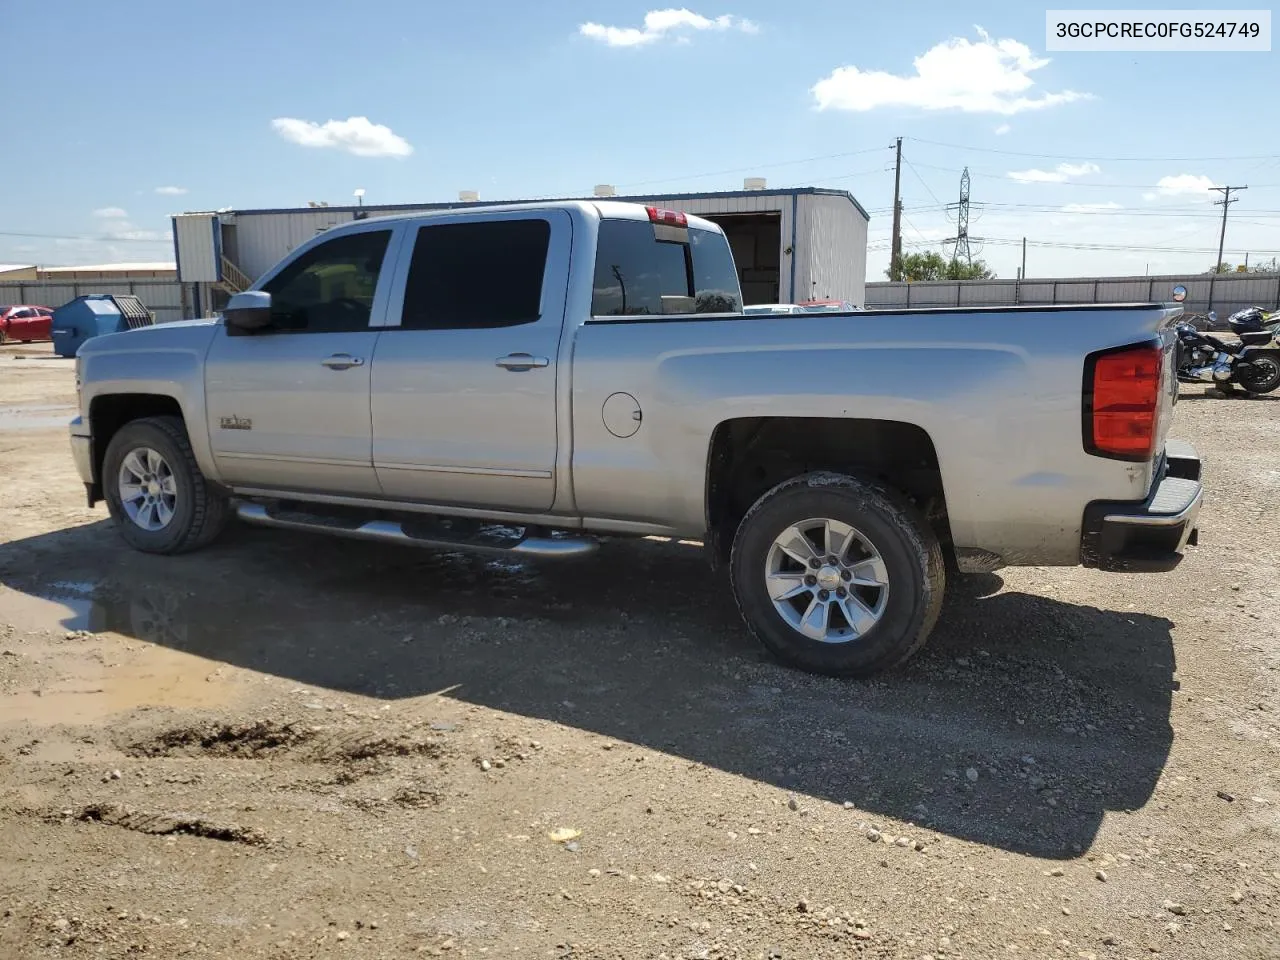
154	489
1265	376
837	576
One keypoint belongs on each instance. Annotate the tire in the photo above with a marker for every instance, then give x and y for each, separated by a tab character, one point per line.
187	513
1268	382
894	619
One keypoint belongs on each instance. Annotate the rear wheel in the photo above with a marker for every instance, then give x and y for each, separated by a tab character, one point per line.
155	492
1265	376
837	576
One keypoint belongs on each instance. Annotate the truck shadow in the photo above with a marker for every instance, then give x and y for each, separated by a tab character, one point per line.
1024	721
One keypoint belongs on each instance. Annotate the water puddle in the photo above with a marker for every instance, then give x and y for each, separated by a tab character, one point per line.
35	416
99	677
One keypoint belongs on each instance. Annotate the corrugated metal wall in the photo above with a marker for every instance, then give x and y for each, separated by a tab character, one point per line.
831	249
161	297
262	239
1225	293
197	247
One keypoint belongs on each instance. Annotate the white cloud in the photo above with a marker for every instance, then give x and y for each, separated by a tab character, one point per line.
1003	129
663	23
357	135
1091	207
987	76
1059	174
110	213
1182	185
171	191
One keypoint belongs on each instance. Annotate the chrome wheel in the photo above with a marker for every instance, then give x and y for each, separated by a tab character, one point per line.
148	490
827	580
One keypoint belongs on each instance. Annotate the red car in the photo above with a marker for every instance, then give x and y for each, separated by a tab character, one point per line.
25	322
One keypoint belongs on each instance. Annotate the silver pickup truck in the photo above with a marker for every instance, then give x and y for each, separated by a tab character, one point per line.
529	378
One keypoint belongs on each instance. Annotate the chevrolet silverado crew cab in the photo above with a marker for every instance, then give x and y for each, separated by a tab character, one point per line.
530	378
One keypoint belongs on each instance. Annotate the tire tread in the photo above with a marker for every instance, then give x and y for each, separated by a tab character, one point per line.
211	510
921	539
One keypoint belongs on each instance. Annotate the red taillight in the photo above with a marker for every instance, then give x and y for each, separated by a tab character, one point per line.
1125	404
672	218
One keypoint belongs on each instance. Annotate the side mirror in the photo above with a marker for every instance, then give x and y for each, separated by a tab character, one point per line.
250	310
1179	293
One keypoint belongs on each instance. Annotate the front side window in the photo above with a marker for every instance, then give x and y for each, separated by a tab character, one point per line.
330	288
480	274
642	270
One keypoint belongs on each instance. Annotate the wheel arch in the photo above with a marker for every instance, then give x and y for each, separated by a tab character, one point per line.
748	456
109	412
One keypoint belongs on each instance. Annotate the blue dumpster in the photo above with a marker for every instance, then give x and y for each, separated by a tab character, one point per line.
93	315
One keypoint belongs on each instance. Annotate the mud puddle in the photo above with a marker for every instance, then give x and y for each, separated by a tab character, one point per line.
95	674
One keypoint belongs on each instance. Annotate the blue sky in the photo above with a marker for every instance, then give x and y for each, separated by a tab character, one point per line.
144	109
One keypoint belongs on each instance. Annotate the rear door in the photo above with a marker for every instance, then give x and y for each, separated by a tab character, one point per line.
464	375
288	406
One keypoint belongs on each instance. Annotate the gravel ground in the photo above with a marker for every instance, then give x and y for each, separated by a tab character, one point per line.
289	746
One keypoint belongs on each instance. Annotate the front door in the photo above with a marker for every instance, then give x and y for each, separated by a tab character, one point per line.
288	406
464	374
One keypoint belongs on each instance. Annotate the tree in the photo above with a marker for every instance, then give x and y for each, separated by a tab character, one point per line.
931	266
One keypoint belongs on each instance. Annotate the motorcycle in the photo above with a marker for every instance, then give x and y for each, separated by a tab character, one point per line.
1253	363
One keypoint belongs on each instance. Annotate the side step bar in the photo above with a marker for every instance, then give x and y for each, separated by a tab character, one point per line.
393	531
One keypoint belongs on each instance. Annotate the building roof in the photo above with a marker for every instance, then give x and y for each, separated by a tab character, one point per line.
375	210
10	267
113	267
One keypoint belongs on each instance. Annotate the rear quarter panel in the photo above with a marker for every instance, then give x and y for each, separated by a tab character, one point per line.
998	392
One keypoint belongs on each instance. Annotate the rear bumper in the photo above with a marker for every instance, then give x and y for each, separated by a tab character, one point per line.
1148	536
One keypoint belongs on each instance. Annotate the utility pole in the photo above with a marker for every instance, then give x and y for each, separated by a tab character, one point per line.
1225	203
1023	275
895	255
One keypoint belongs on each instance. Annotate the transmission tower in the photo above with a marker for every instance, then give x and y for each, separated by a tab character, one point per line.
961	250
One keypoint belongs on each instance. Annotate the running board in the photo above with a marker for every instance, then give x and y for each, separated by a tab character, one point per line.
417	535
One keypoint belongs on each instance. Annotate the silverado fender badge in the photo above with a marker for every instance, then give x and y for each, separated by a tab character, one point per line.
235	423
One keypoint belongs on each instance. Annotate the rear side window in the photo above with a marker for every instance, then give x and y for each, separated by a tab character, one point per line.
486	274
639	274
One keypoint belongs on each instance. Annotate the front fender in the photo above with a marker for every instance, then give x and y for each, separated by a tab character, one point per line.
177	374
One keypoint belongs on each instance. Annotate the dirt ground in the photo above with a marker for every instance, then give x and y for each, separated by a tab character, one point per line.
290	746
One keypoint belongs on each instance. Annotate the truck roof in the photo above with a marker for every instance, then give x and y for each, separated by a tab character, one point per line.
605	209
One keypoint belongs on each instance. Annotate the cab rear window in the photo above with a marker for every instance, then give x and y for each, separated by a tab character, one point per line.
645	269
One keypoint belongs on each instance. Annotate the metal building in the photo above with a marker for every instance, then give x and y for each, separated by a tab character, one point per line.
792	244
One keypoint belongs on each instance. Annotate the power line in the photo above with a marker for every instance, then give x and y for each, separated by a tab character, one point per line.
754	166
1064	183
1018	209
1068	156
879	244
55	236
921	179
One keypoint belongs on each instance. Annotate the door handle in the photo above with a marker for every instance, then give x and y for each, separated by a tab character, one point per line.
342	361
521	361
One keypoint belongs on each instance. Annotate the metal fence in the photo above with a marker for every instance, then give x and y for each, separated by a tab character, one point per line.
1224	293
164	298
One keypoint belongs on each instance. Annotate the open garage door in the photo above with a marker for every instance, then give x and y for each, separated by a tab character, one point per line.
756	241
